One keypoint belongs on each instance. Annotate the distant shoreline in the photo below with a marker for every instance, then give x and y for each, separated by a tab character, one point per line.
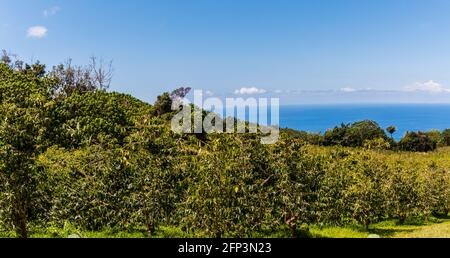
406	117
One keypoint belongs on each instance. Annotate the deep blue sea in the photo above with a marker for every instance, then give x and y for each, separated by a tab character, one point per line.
406	117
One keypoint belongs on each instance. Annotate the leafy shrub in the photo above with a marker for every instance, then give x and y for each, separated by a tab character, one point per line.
156	180
436	191
297	176
354	135
436	136
446	137
163	105
418	142
95	118
227	193
24	120
377	144
403	193
88	186
365	195
311	138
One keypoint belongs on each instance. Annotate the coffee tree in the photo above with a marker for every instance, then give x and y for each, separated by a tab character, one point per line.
435	191
298	178
24	119
228	190
365	194
332	206
403	195
156	185
88	186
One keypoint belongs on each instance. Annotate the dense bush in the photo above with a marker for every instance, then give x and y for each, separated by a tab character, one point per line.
94	118
446	137
228	193
354	135
367	202
403	193
297	179
156	184
25	106
87	186
418	142
436	136
307	137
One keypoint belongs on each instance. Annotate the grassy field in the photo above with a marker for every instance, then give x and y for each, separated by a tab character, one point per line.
435	228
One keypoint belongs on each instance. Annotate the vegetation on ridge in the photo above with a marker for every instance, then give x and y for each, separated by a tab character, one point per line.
99	160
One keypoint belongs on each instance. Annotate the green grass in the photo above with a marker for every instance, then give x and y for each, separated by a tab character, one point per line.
435	228
68	229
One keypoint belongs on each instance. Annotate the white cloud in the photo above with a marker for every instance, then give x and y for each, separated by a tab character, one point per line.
51	11
209	93
249	91
37	32
429	86
348	89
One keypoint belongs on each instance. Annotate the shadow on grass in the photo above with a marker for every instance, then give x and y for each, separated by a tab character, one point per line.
361	232
388	232
441	218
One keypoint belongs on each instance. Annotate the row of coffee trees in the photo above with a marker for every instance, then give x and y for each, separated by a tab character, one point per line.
70	152
236	187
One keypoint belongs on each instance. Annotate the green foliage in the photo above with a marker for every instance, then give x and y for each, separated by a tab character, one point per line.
403	192
436	136
101	161
391	130
24	116
354	135
227	194
95	118
311	138
297	176
417	142
436	191
70	79
377	144
365	192
446	137
156	182
87	186
163	105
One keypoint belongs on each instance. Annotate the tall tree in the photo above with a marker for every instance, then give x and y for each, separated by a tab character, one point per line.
24	109
97	75
391	130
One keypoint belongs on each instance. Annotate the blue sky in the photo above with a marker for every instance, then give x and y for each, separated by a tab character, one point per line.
311	51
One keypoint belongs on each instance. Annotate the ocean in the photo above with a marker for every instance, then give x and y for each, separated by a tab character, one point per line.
406	117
